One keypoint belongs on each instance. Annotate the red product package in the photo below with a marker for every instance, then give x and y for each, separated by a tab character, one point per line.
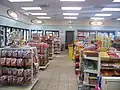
8	61
28	62
3	61
20	62
13	62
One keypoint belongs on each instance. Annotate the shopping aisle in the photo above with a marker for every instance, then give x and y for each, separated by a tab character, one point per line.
58	76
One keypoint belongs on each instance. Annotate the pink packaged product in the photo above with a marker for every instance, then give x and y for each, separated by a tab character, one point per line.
28	62
3	61
10	79
4	53
20	53
8	61
14	79
27	72
4	79
5	70
20	72
13	62
15	54
20	80
20	62
15	71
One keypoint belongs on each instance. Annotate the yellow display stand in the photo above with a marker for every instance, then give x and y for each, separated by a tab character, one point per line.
70	52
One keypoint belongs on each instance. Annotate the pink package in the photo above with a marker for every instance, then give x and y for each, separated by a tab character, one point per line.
3	61
8	61
13	62
28	62
20	62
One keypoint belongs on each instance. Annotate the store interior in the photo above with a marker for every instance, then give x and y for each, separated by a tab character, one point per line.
59	45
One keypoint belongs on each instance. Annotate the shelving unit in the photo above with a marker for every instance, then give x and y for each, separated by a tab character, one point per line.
19	68
57	45
50	42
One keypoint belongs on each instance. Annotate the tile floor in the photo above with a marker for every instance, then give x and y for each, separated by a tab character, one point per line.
58	76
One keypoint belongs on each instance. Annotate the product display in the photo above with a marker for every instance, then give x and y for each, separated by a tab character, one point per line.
57	45
19	66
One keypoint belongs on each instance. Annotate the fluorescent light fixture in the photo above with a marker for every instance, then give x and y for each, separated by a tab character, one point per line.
20	0
118	19
72	14
96	23
71	8
74	0
116	0
44	17
103	15
38	13
31	8
70	17
111	9
96	18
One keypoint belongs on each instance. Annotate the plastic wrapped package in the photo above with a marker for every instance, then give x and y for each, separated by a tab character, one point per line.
9	53
27	54
20	80
9	71
15	54
20	53
20	72
13	62
20	62
10	79
27	72
4	79
3	61
14	79
8	61
28	62
15	71
4	53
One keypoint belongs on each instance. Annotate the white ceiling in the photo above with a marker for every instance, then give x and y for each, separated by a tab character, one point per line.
89	8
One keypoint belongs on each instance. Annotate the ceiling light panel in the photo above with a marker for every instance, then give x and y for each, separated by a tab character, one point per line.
97	18
103	15
73	0
38	13
116	0
71	8
118	19
44	17
31	8
71	14
70	17
20	0
111	9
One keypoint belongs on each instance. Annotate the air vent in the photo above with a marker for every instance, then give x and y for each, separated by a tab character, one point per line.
44	5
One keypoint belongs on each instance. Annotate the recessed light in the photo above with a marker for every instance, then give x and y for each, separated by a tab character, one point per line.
72	14
44	17
74	0
118	19
103	15
116	0
70	17
20	0
111	9
96	18
71	8
38	13
96	23
31	8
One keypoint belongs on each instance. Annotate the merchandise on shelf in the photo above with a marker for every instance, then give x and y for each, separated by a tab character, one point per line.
19	66
57	45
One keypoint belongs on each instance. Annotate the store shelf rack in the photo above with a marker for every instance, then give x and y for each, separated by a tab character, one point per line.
24	61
